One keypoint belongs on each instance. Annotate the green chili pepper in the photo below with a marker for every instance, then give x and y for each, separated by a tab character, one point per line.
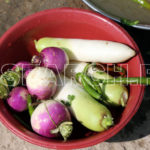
85	71
30	107
97	87
130	80
89	81
129	22
91	86
143	3
89	89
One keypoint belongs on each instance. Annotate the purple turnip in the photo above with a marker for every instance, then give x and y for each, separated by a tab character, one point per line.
41	82
18	99
51	118
53	58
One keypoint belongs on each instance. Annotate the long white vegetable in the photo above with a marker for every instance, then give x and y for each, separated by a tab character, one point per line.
89	50
85	109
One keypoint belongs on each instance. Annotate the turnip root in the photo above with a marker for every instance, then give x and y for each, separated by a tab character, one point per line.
18	99
53	58
51	118
89	50
86	110
41	82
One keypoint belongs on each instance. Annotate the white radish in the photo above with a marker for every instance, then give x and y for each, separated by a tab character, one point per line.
92	114
89	50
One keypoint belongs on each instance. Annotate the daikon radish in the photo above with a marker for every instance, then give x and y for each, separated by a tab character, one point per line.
89	112
89	50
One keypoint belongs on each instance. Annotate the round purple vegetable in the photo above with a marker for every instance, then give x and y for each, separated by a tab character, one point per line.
18	99
51	118
24	65
41	82
53	58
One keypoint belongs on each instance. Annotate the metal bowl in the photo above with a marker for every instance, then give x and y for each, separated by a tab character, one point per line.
99	10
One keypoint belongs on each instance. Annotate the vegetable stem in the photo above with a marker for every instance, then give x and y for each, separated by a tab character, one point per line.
130	80
107	121
29	103
66	129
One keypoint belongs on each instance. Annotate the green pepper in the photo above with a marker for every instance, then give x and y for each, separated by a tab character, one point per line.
89	89
89	81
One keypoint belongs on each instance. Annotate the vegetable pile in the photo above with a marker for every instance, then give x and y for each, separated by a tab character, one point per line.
58	89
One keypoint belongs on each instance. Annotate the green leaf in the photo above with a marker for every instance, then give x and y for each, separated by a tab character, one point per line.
71	98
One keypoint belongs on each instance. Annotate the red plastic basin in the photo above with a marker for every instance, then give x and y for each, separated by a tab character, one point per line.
17	44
